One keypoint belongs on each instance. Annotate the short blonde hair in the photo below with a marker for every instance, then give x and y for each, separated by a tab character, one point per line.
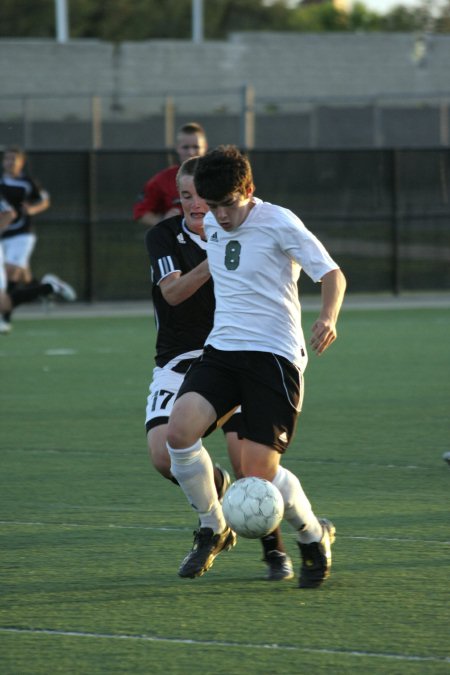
186	169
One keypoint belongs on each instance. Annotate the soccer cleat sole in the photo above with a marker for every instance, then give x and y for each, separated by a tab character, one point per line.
229	543
316	580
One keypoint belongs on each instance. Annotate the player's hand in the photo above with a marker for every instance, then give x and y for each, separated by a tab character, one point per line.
323	334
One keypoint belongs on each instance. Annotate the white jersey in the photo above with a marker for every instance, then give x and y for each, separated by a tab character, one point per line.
255	269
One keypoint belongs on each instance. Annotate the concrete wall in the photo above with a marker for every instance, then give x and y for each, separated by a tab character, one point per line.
292	74
279	65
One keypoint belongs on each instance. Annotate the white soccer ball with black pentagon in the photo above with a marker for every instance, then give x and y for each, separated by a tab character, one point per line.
253	507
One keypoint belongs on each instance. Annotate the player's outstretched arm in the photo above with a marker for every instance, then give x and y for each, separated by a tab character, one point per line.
38	206
324	328
177	287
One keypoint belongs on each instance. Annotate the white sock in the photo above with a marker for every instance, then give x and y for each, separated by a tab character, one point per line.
194	471
297	509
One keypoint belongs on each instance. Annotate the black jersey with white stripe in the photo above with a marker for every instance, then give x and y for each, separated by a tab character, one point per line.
182	328
16	191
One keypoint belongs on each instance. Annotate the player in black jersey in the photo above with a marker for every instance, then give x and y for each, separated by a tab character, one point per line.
183	299
11	298
26	198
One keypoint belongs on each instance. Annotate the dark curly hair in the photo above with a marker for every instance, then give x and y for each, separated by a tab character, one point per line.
221	172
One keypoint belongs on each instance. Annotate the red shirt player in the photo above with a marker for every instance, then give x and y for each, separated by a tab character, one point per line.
161	199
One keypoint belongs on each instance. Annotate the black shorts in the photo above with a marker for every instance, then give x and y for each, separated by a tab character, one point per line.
232	424
268	388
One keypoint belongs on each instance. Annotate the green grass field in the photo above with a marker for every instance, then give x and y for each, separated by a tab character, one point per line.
91	536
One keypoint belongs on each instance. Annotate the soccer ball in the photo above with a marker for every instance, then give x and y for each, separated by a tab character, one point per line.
253	507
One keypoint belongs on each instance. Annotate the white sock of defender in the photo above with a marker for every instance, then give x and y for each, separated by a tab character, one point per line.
194	471
297	509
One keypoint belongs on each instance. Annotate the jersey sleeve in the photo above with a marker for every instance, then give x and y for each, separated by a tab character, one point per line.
304	247
162	251
160	194
149	200
37	192
5	207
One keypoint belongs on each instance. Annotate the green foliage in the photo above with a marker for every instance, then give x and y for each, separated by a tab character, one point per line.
317	18
27	18
401	19
362	19
442	22
122	20
225	16
119	20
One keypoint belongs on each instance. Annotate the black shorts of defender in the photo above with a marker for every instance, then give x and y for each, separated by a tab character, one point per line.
268	388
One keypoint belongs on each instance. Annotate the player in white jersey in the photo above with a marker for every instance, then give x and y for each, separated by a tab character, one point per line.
183	301
255	354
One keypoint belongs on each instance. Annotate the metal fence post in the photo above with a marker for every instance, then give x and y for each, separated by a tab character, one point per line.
169	122
248	118
313	126
197	21
443	124
27	131
377	125
96	113
91	221
395	222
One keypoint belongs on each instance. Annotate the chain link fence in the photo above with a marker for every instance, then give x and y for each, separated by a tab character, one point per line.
384	215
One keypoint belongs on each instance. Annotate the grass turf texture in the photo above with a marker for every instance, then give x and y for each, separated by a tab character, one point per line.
92	537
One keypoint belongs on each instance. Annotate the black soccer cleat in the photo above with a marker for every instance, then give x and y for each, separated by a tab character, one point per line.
205	549
279	566
316	557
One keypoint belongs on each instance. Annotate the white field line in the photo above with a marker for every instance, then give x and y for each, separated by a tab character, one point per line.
304	460
219	643
151	528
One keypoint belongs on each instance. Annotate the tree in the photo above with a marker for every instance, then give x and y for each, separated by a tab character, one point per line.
442	22
27	18
119	20
401	20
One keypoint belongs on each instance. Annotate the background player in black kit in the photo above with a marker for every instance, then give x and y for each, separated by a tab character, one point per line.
183	299
28	199
18	240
